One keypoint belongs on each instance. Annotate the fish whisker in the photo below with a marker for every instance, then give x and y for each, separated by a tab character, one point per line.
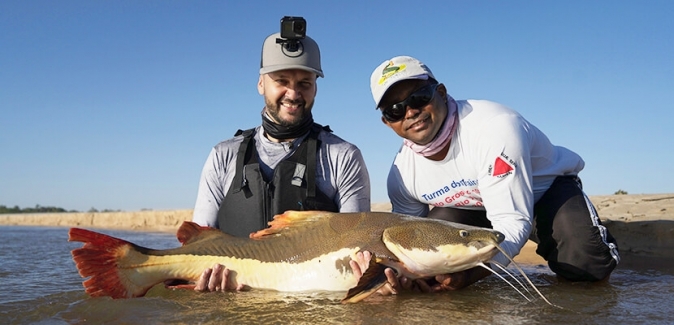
525	276
511	274
506	280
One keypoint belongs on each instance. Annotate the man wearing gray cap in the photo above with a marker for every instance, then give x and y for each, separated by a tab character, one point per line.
480	163
287	163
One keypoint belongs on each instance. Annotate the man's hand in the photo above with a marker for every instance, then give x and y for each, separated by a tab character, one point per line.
216	279
443	282
456	281
361	263
395	284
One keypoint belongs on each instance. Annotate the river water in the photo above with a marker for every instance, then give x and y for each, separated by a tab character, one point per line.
39	284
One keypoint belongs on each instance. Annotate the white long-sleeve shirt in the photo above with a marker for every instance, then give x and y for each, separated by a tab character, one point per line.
497	161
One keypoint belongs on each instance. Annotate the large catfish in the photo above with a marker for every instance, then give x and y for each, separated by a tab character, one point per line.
300	251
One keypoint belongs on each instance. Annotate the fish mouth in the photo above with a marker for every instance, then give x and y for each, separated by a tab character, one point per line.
479	244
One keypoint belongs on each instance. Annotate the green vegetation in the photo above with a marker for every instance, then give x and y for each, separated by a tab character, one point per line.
41	209
620	192
36	209
93	210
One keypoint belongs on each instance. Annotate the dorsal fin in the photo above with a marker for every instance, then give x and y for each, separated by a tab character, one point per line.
190	231
288	220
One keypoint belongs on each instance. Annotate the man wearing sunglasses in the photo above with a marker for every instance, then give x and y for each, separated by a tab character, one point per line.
480	163
287	163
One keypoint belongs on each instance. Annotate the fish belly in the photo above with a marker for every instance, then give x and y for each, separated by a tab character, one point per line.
328	272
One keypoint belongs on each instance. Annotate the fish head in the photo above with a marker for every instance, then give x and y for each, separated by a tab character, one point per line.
429	247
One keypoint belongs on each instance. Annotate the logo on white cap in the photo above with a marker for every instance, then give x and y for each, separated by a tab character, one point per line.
394	70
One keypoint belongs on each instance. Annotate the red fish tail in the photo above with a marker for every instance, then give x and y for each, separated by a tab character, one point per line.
99	259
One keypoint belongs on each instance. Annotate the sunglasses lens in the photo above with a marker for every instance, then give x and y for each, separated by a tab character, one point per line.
419	98
395	112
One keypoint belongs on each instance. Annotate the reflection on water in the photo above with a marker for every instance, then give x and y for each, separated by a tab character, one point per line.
41	285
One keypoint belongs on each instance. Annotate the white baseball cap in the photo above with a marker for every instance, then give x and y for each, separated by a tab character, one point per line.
275	57
396	69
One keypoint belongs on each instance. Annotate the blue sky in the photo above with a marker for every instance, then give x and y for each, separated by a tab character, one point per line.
116	104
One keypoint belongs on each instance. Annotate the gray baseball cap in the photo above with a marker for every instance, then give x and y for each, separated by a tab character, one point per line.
275	57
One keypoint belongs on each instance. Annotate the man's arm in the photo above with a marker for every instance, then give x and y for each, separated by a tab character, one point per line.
352	182
210	193
213	185
401	200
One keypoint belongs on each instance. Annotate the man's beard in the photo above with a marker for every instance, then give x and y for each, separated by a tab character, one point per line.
274	110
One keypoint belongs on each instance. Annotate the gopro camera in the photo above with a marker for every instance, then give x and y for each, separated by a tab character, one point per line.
293	28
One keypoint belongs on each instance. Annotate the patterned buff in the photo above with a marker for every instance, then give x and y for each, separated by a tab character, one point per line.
442	138
281	132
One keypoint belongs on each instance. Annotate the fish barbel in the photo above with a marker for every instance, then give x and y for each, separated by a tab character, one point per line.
300	251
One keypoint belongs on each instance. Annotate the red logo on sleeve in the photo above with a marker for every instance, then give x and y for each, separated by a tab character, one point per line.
501	167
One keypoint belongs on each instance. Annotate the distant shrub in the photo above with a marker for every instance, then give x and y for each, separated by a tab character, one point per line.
620	192
37	209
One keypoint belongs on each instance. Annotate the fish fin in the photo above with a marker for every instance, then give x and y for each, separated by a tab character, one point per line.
288	220
98	259
373	279
190	231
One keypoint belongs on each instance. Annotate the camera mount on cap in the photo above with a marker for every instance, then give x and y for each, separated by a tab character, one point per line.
293	29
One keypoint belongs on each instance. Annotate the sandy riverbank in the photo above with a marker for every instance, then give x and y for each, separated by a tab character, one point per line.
643	224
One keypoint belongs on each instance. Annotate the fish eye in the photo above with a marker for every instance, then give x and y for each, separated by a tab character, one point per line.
463	233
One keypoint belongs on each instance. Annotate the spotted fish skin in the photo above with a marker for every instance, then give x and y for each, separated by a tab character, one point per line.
299	251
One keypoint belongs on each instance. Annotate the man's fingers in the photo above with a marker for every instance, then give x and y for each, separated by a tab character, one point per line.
224	281
202	283
392	280
363	260
448	282
218	279
423	286
455	281
215	279
387	290
355	268
443	279
392	285
367	255
360	263
406	283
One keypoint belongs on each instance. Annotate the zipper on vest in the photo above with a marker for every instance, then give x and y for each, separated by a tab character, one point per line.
267	203
244	181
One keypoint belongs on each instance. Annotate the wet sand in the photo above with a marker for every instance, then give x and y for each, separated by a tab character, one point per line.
643	225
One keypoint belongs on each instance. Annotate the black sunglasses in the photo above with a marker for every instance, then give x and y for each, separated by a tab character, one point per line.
420	98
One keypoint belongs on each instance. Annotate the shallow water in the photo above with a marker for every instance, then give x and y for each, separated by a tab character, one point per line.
40	284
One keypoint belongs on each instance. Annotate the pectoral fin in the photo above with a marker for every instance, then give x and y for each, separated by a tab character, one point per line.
373	279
